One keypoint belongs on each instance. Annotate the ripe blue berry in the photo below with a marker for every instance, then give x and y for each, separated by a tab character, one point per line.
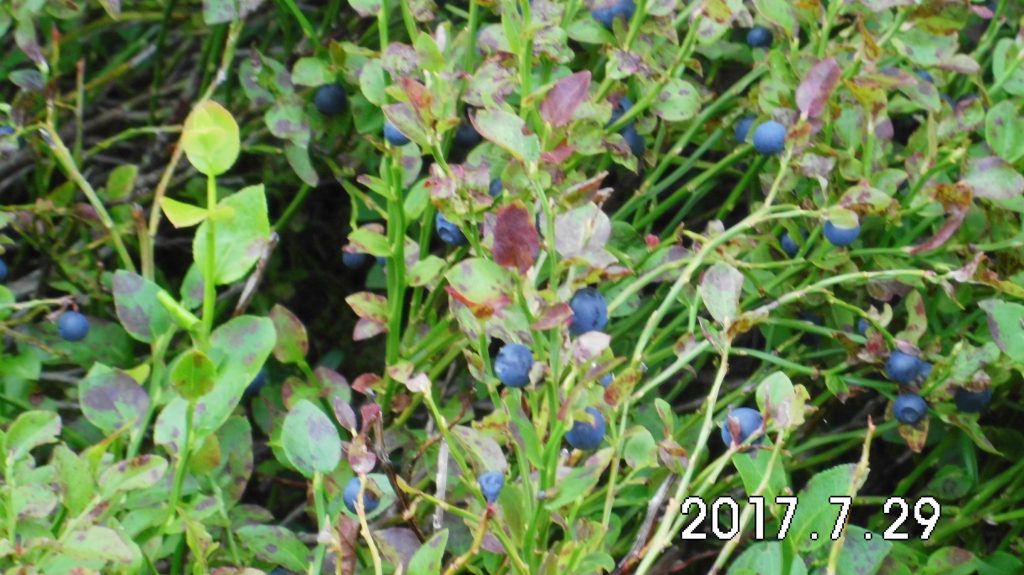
490	484
259	382
606	380
760	37
909	408
924	370
789	245
448	231
902	367
862	326
393	135
589	311
587	435
370	499
606	11
354	260
6	131
924	75
770	138
330	99
495	189
840	237
512	365
466	136
749	421
972	401
743	128
3	270
72	326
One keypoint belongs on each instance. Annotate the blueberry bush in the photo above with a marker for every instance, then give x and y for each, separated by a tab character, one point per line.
512	287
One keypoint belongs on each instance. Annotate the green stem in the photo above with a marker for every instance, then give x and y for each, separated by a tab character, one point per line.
180	470
210	270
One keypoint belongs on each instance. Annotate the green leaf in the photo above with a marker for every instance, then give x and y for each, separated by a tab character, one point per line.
427	559
781	401
310	440
192	374
766	558
484	452
507	131
33	501
372	81
113	8
287	120
752	467
780	12
181	214
99	543
815	513
112	399
138	473
298	159
275	545
210	139
292	341
426	270
480	281
720	289
365	8
1004	130
641	450
580	480
236	457
369	241
1005	53
74	475
951	561
1006	324
240	235
310	71
678	101
121	181
137	306
861	556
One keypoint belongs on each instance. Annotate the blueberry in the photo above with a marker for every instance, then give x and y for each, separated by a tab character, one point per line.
72	326
587	435
628	132
606	11
3	270
971	401
495	188
743	128
770	138
512	365
393	135
381	261
370	500
449	232
354	260
760	37
330	99
840	237
909	408
902	367
490	484
924	370
466	135
589	311
6	131
924	75
606	380
259	382
789	245
862	326
749	421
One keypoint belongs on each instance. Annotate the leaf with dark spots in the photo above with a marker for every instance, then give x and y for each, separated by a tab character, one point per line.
580	480
480	284
309	439
720	289
553	317
418	95
509	132
427	559
336	385
954	219
408	122
397	544
1006	325
292	341
817	87
275	545
516	243
139	473
993	179
564	97
558	155
236	457
484	452
137	307
359	456
111	399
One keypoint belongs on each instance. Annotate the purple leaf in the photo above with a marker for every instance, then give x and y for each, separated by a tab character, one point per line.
563	99
817	87
516	243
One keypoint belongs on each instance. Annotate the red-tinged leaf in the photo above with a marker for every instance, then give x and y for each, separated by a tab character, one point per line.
344	413
590	345
418	95
367	328
563	99
370	413
552	317
348	539
817	87
365	383
953	221
405	118
558	155
479	310
359	457
516	243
